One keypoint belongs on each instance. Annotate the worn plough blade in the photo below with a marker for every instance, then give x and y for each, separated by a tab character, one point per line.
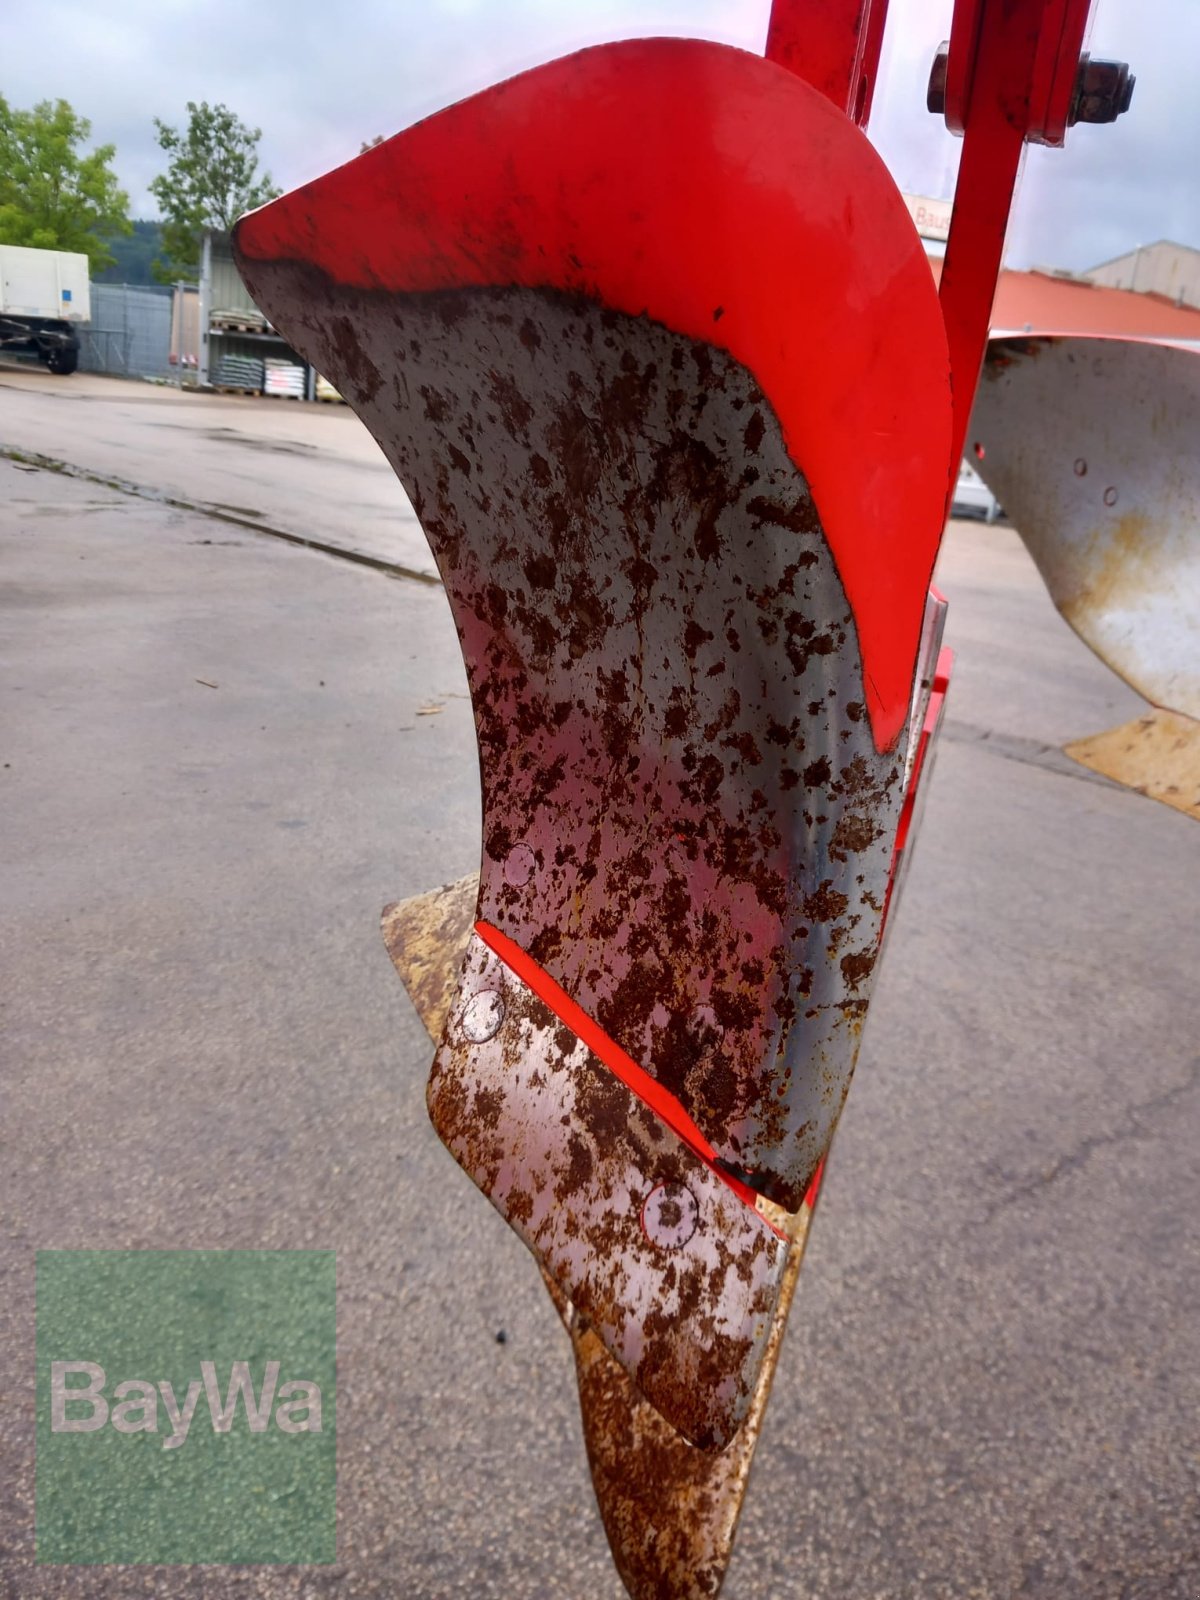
1090	446
650	340
670	1510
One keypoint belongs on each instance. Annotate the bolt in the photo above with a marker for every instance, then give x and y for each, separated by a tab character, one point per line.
1103	90
483	1015
669	1215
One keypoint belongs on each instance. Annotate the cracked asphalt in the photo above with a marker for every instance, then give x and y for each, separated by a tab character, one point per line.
991	1384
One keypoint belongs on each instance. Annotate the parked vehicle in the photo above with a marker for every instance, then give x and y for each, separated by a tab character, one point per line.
972	497
44	294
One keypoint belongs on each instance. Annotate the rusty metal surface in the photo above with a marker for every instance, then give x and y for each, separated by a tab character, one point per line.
427	938
1158	755
1091	447
677	1275
686	820
670	1510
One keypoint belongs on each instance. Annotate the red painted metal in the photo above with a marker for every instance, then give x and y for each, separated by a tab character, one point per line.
1056	69
690	183
1010	80
1037	43
832	44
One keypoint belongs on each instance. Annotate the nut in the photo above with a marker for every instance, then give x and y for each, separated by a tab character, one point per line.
1103	90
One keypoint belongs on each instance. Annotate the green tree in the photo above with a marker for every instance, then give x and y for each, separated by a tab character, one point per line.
52	195
211	179
135	256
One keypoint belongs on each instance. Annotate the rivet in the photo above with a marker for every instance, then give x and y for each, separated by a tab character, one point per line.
1080	467
483	1015
670	1214
519	865
705	1023
1110	496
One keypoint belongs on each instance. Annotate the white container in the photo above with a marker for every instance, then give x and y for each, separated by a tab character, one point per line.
44	283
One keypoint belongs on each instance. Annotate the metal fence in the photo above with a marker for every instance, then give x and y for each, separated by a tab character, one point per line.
130	332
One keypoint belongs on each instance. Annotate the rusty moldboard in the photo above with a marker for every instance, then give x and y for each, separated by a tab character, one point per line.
685	504
687	821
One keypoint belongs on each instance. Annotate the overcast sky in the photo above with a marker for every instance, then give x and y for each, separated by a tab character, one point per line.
319	79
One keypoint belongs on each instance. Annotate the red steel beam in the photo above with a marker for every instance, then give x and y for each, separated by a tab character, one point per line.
832	44
1010	79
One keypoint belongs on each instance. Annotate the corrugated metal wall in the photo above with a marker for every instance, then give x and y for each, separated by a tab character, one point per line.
1165	268
229	293
130	332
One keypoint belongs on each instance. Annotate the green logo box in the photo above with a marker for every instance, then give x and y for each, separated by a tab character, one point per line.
185	1406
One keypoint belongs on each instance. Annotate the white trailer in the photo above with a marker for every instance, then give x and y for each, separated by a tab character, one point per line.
44	294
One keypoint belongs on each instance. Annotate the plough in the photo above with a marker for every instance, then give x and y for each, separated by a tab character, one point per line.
1108	504
650	340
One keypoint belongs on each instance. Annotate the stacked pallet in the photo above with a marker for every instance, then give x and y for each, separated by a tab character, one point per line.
284	378
240	320
244	373
325	390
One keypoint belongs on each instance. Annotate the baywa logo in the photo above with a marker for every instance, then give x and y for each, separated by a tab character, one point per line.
186	1406
137	1411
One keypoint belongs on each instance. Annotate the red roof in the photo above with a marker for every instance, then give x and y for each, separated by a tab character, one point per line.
1036	302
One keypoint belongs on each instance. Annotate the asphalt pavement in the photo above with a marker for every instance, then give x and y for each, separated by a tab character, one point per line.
221	755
